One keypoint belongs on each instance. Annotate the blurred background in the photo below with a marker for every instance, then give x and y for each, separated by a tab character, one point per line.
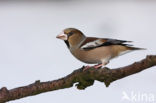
29	49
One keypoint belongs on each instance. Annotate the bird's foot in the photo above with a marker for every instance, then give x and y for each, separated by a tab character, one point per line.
86	67
95	66
98	66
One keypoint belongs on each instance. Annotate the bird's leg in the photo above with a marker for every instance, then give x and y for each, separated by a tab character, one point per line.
86	67
98	66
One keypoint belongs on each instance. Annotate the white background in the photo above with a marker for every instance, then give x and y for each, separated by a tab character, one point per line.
29	49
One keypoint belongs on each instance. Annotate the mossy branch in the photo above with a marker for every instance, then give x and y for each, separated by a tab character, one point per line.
82	78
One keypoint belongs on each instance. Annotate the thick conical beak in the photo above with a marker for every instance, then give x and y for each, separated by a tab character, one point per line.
62	36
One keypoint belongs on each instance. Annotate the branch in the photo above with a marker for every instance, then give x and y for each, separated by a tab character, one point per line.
82	78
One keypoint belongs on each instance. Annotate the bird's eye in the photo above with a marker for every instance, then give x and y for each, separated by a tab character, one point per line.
70	33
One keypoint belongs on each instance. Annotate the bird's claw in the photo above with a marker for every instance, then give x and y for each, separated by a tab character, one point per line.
95	66
98	66
86	67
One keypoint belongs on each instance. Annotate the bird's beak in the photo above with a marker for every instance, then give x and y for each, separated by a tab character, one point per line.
62	36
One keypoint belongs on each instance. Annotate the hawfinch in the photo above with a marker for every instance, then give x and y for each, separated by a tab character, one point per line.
92	50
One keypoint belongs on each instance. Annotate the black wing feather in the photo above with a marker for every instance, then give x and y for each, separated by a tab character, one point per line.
110	42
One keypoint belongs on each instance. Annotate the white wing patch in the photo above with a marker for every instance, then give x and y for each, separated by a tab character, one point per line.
92	44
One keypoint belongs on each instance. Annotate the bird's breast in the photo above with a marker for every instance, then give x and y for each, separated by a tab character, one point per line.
91	56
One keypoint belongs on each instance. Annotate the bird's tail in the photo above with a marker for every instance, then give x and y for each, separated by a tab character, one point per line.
136	48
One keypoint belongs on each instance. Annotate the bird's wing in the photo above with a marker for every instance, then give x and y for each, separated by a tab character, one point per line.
92	43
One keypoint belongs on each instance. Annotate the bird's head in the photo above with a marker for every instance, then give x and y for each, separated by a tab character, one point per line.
71	36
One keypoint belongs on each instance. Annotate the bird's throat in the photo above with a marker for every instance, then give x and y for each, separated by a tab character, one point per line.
67	43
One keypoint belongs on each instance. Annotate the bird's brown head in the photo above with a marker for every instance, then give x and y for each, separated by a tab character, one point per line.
71	36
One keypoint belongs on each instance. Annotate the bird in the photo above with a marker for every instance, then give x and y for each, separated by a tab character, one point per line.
94	50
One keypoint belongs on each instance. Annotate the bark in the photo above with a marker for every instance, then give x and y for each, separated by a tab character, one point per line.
82	78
